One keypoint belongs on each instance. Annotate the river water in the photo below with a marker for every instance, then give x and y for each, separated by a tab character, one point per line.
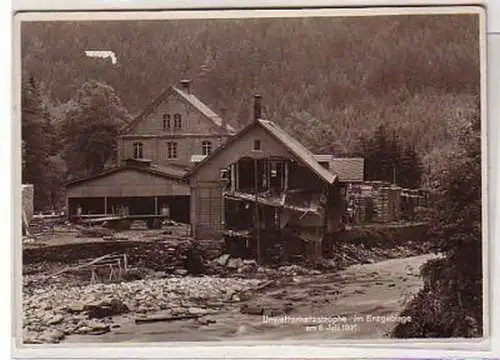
361	302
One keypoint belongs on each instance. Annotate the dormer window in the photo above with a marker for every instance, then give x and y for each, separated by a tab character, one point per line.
206	148
166	121
177	121
138	151
256	145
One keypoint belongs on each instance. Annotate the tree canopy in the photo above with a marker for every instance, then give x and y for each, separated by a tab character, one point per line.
90	128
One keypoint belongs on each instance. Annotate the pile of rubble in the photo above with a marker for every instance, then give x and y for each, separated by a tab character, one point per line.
228	265
54	312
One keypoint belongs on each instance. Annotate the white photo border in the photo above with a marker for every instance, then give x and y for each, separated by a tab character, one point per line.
356	348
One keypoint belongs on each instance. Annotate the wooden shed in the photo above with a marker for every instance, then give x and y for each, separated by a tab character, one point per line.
136	188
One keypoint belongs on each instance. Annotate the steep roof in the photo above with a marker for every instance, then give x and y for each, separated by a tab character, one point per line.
348	169
191	99
299	151
173	173
204	109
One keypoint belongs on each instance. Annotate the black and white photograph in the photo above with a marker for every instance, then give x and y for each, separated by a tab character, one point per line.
252	176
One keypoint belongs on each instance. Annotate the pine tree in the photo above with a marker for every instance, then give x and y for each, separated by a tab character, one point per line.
411	168
36	133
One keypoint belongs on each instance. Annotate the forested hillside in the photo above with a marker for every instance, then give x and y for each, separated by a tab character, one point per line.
330	82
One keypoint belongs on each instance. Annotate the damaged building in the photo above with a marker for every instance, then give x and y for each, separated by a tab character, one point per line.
263	182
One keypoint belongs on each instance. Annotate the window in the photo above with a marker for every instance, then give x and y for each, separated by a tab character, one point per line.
166	121
256	145
177	121
206	148
138	151
172	150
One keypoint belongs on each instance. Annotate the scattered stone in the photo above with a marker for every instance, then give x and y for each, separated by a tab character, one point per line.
51	336
181	272
391	285
75	308
56	319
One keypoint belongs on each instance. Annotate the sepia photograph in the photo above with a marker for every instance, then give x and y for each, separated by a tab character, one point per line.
252	176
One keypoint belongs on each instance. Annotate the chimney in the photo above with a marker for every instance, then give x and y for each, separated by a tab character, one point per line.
257	107
186	86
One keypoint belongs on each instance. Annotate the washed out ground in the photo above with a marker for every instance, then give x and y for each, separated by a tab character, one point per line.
238	300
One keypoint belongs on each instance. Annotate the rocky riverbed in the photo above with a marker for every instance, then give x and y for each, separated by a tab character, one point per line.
53	312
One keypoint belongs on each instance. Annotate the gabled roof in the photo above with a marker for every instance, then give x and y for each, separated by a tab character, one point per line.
348	169
204	109
299	151
191	99
173	173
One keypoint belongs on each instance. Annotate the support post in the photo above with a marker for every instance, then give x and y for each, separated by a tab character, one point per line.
233	178
156	205
237	176
285	185
257	215
105	205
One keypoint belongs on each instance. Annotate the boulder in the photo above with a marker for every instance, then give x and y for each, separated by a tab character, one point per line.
234	263
105	308
222	260
75	308
56	319
252	309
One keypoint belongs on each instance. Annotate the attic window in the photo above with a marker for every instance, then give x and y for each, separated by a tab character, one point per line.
166	121
177	121
256	145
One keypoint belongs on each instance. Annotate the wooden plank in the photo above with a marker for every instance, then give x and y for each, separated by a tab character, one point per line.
152	319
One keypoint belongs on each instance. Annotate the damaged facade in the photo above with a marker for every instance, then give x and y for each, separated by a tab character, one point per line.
263	181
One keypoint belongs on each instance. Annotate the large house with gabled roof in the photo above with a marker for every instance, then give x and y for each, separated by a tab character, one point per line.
176	126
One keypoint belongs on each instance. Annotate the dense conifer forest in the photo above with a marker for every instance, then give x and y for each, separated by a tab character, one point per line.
334	83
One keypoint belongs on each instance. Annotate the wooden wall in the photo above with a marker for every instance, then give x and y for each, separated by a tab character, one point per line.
128	183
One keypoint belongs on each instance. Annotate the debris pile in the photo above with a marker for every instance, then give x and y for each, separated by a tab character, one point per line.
225	264
54	312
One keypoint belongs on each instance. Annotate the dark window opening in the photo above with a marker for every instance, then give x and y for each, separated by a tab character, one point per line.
172	150
177	121
138	151
166	121
256	145
206	148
